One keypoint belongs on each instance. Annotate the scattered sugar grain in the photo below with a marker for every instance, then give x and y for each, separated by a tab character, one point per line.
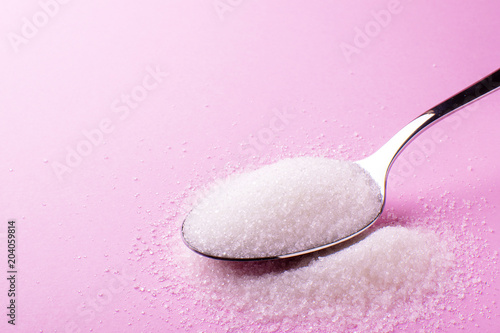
289	206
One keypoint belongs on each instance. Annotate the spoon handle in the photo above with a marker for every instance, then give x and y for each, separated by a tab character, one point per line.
468	95
379	163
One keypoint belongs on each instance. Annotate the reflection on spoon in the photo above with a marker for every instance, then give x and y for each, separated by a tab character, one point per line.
306	204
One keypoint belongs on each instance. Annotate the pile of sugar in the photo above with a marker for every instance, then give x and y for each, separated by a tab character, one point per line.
360	288
289	206
197	294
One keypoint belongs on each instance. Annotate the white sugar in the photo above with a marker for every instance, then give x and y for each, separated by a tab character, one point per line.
393	276
290	206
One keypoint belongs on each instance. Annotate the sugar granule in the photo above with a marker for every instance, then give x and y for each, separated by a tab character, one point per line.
289	206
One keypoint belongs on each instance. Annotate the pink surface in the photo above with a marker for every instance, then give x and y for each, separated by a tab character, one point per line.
158	98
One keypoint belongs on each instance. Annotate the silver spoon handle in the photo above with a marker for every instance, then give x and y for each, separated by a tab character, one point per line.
389	151
468	95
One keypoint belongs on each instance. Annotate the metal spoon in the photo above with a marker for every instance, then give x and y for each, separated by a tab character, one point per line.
379	163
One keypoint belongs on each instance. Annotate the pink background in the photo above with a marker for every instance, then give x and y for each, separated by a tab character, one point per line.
80	230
